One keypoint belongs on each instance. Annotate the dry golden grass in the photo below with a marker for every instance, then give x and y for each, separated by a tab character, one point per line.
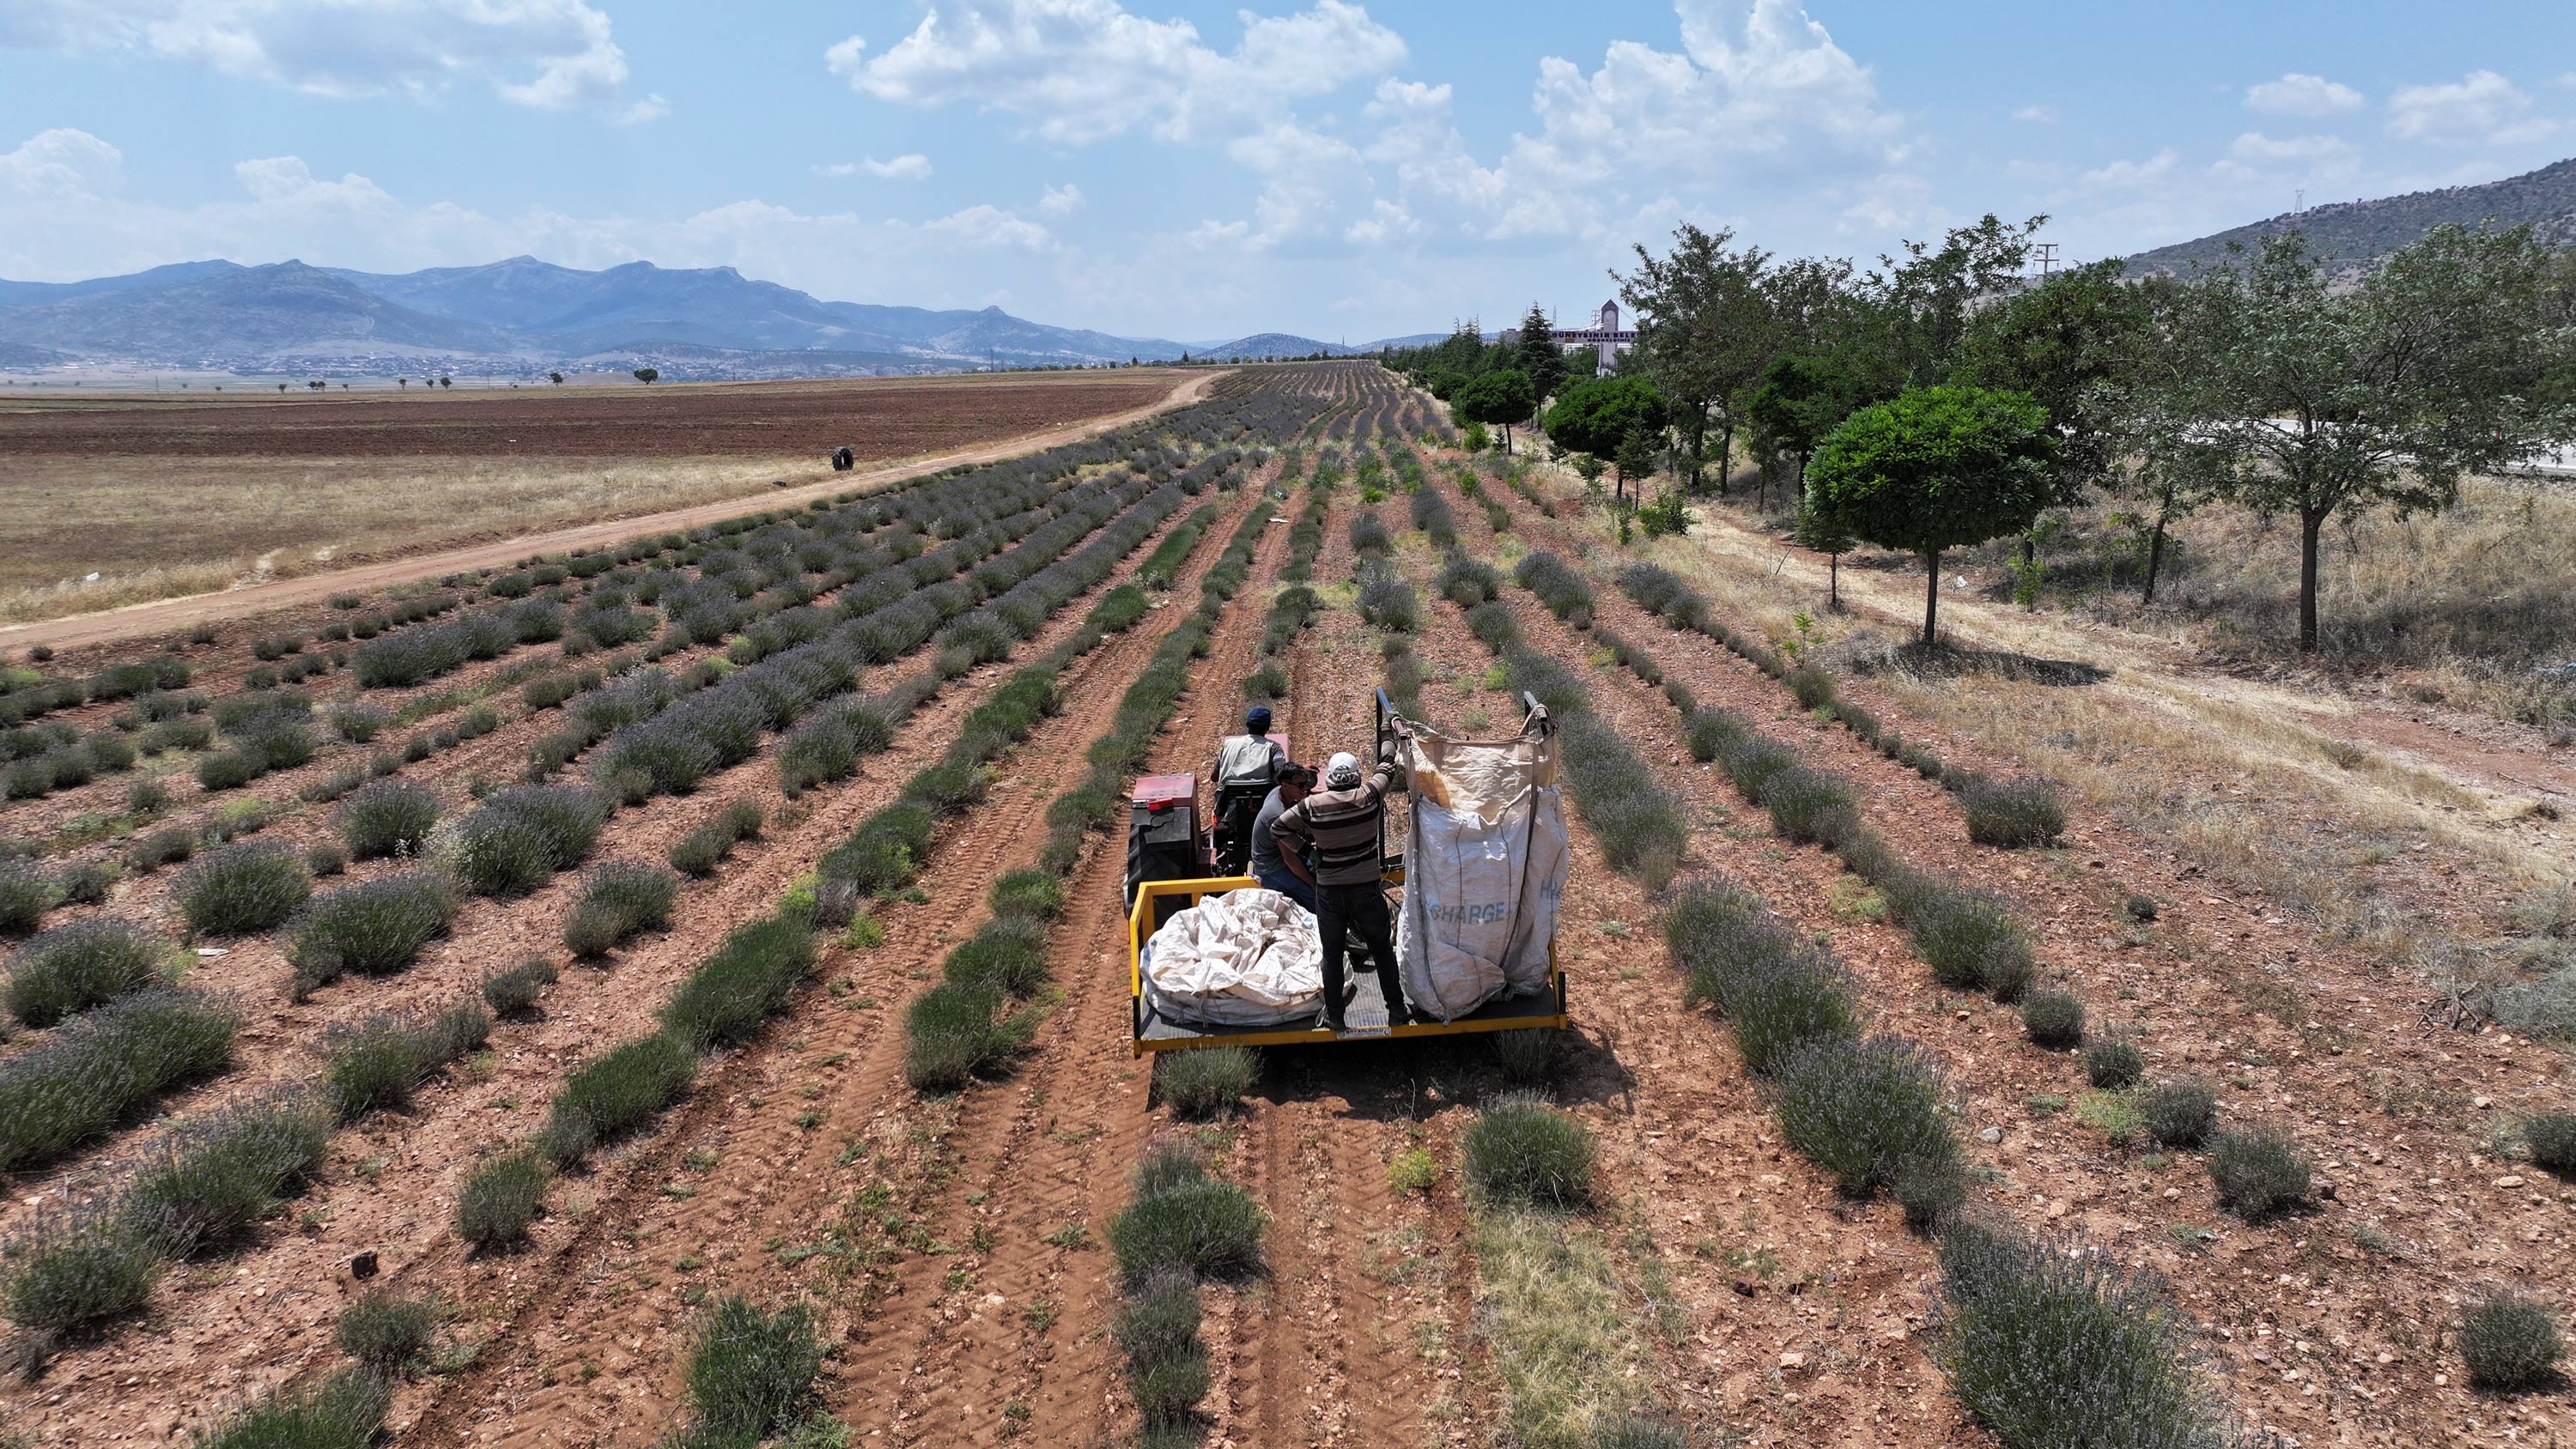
2251	779
2475	604
154	529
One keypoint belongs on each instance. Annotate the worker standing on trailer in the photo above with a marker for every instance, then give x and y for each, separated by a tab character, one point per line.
1295	781
1247	766
1338	828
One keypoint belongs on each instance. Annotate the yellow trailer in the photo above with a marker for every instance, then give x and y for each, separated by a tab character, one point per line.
1156	901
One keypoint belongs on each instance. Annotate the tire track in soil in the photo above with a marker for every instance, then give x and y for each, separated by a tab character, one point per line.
774	1171
1058	1157
1313	1155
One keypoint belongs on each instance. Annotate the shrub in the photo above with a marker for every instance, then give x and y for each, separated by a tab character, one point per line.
211	1179
514	989
1008	954
387	817
1037	894
374	1063
343	1411
1521	1150
25	896
886	849
567	817
1864	1111
76	1268
385	1331
2054	1019
1809	806
1188	1224
955	1031
359	723
242	889
699	852
2179	1114
2059	1349
88	1073
1527	1057
1169	1389
229	771
160	848
373	928
747	978
620	899
1207	1082
496	853
1813	687
1267	682
616	1092
1386	600
2114	1065
501	1197
1494	625
70	969
1968	938
1710	733
2511	1343
1369	535
2012	813
1782	1000
2552	1139
751	1374
2260	1173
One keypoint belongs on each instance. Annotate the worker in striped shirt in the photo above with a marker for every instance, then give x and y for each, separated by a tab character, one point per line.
1330	841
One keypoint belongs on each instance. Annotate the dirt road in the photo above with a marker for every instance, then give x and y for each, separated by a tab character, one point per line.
170	616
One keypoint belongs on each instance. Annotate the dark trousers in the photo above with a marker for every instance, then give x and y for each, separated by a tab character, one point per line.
1234	831
1343	912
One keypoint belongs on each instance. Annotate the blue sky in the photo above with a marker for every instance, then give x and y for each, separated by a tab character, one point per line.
1194	170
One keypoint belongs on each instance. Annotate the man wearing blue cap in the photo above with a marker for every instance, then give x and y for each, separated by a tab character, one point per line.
1248	767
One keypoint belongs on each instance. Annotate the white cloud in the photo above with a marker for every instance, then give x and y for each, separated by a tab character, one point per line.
2258	149
914	167
1062	200
2037	115
2480	106
1894	203
651	108
2133	175
551	54
1085	70
2295	94
62	162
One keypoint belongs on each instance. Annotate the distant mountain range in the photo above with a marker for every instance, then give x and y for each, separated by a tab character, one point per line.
524	315
2355	232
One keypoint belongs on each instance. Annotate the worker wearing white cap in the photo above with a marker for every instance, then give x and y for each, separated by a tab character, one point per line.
1337	829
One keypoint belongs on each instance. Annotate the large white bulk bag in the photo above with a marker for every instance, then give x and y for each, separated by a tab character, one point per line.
1249	957
1484	869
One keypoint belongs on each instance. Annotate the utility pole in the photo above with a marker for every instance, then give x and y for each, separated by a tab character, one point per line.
2047	259
2300	207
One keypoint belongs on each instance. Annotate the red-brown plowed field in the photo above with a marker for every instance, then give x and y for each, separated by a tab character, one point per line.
880	417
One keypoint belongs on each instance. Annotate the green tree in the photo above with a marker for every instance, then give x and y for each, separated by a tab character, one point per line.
1913	321
1596	415
1498	399
1635	456
2324	402
1704	333
1538	357
646	375
556	378
1936	468
1816	530
1800	399
446	381
2061	342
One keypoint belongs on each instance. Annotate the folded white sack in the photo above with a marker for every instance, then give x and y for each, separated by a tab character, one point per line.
1245	958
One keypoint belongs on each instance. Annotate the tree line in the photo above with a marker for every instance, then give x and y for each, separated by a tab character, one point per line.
1943	399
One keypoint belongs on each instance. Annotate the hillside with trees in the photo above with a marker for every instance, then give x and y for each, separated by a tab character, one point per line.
2347	232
